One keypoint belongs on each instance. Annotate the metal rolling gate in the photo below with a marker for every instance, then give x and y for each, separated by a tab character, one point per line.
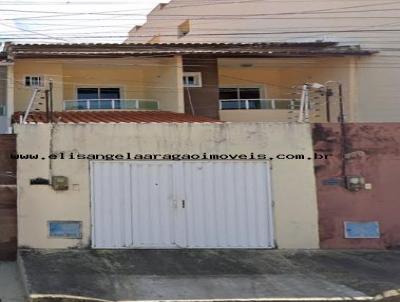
215	204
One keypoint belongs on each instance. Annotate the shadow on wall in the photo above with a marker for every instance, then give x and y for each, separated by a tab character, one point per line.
8	199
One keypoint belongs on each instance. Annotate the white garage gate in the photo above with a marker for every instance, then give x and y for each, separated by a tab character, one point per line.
181	205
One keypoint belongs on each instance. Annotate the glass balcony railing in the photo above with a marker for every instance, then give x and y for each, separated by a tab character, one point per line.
254	104
111	104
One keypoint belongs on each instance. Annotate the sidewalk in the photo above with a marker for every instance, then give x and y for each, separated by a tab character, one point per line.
226	275
10	284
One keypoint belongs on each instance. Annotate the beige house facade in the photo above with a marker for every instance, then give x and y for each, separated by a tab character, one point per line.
259	82
104	100
369	24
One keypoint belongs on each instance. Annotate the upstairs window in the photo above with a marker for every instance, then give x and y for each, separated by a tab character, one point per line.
235	98
34	81
192	79
99	98
240	93
98	93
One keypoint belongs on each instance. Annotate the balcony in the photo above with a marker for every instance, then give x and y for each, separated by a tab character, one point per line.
259	104
111	104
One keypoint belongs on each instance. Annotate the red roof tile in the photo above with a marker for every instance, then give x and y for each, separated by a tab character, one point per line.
114	117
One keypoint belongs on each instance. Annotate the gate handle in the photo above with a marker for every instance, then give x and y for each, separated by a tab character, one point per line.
183	203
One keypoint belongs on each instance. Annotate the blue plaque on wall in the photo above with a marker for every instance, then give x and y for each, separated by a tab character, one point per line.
65	229
362	230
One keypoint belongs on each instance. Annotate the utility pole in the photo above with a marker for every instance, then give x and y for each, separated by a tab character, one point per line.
46	96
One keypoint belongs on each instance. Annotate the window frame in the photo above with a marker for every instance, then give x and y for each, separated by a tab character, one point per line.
121	90
261	88
30	76
193	74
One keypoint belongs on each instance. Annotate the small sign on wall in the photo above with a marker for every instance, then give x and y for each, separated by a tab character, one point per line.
65	229
334	181
361	230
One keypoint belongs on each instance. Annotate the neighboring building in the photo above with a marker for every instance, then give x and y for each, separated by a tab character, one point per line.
358	215
371	25
230	82
4	84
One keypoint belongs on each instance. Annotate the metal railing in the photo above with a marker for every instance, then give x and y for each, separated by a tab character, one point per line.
111	104
3	110
255	104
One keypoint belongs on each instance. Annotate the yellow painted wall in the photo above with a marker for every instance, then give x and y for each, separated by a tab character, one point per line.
164	81
138	78
277	77
375	77
294	193
116	74
51	70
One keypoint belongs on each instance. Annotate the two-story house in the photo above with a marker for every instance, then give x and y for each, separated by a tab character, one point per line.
230	81
369	24
74	106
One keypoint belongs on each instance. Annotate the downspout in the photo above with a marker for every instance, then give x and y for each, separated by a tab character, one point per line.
51	146
343	132
10	93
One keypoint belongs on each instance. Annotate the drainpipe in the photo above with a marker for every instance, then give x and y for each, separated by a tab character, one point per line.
46	95
51	100
342	130
328	94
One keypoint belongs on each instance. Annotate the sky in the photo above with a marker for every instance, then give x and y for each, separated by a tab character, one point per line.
35	21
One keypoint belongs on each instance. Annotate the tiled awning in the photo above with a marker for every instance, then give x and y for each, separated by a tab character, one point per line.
114	117
98	50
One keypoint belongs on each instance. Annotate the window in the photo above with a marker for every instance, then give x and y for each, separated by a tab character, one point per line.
98	93
240	97
192	79
98	98
239	93
34	81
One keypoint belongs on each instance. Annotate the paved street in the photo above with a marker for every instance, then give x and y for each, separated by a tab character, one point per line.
128	275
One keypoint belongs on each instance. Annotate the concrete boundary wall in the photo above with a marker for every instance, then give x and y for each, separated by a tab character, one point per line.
294	195
372	151
8	198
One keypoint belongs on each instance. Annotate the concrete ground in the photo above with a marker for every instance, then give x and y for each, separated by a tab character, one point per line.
129	275
10	283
